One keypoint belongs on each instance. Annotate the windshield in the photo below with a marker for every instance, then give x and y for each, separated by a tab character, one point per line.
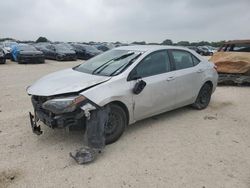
110	63
91	49
9	44
26	48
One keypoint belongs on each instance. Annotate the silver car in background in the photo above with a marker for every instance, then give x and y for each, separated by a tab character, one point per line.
137	82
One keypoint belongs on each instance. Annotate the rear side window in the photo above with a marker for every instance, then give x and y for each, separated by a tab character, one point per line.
153	64
182	59
196	61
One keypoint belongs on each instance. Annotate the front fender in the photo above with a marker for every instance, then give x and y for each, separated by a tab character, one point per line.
110	91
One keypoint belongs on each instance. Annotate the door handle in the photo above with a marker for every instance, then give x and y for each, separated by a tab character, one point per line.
200	70
170	78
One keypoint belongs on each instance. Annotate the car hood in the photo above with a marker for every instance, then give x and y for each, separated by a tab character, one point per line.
65	81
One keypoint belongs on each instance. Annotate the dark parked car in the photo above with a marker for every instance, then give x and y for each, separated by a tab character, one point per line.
84	51
43	47
24	53
204	50
194	48
2	56
59	52
102	47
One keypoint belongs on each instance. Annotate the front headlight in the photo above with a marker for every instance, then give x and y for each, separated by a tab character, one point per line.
63	105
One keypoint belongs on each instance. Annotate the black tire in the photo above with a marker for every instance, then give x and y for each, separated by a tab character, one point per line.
12	58
58	58
116	124
2	61
204	97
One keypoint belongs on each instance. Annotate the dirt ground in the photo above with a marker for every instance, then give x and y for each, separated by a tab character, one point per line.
182	148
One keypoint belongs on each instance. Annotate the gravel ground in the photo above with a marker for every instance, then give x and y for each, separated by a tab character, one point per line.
182	148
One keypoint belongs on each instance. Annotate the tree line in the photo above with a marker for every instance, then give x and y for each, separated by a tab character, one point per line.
184	43
165	42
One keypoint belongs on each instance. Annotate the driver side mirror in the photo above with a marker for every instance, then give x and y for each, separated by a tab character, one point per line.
139	86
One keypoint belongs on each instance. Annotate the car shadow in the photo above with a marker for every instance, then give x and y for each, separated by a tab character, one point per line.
76	137
163	117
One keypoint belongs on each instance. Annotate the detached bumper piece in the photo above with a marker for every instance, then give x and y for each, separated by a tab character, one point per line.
84	155
33	122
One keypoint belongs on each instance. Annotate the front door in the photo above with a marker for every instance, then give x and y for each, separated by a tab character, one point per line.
159	93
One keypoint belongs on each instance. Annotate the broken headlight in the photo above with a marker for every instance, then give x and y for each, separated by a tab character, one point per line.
63	105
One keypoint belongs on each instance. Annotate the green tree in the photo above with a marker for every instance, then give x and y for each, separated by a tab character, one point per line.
42	39
167	42
140	43
183	43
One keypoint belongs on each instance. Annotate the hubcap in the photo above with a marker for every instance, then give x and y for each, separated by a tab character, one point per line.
204	98
112	124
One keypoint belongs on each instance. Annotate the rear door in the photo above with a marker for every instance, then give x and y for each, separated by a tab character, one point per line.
189	76
159	94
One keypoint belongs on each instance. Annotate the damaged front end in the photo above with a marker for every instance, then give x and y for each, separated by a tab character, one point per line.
60	111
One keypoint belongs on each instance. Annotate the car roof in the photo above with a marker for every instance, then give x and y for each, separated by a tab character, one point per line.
237	42
145	48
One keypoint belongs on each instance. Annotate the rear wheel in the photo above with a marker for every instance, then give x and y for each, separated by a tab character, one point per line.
204	97
116	124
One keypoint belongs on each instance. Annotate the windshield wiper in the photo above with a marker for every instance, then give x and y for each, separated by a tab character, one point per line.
105	65
123	67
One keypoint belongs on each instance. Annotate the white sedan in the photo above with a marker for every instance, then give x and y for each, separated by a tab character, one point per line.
136	82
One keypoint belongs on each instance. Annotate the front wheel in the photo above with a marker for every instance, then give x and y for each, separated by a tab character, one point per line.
204	97
116	124
2	61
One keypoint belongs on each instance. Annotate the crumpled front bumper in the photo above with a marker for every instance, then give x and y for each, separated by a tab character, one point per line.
72	119
33	122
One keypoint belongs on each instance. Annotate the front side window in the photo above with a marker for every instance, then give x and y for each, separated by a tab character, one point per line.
153	64
182	59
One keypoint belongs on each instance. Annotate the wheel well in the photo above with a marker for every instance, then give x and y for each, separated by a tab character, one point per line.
123	106
209	82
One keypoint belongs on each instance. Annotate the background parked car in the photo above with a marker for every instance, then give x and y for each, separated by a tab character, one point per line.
61	52
204	50
233	62
194	48
25	53
84	51
7	45
46	49
102	47
2	56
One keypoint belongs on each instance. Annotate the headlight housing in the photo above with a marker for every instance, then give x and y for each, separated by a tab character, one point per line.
63	105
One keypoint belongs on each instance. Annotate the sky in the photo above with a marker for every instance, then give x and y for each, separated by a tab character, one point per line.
125	20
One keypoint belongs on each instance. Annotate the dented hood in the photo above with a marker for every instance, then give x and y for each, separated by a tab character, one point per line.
65	81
